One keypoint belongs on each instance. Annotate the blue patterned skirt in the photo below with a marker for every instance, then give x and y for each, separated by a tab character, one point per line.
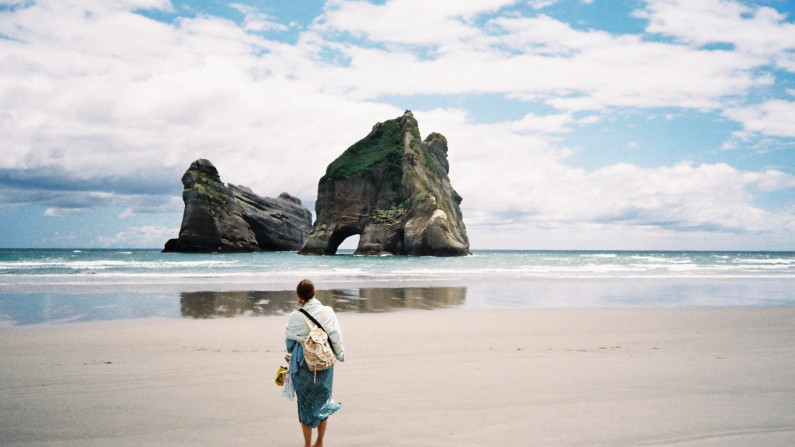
314	395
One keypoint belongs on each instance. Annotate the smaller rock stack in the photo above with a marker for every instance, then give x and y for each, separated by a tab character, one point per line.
231	218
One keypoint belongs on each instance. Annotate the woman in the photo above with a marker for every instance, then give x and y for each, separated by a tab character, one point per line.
313	389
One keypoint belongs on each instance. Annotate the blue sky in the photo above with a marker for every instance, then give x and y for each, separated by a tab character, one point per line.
572	124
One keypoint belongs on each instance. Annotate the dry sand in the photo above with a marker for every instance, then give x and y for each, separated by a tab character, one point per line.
689	377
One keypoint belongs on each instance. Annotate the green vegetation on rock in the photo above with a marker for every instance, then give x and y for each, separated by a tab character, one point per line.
392	189
394	215
432	165
207	186
457	197
384	144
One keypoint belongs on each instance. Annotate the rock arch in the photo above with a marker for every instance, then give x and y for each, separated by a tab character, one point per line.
339	236
393	190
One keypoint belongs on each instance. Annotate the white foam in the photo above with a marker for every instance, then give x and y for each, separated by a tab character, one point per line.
154	268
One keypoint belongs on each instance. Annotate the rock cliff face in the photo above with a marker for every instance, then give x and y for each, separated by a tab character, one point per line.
230	218
392	189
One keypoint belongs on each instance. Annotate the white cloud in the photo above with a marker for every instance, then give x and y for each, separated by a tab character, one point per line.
255	20
758	31
531	58
59	212
774	118
107	96
416	22
541	4
58	239
618	236
138	237
527	183
103	93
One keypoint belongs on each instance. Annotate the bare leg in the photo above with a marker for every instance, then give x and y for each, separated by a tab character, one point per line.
321	431
307	430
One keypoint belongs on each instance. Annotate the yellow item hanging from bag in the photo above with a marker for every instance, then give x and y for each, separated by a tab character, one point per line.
280	374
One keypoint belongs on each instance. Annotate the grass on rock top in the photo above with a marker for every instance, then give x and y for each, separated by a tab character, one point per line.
208	186
383	145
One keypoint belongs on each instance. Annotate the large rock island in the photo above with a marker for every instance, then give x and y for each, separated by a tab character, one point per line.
231	218
392	189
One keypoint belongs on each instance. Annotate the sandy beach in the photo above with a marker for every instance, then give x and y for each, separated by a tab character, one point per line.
451	377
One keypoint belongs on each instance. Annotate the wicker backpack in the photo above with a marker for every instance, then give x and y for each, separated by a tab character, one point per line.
318	353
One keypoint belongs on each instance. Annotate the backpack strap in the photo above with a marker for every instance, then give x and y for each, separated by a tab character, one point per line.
311	318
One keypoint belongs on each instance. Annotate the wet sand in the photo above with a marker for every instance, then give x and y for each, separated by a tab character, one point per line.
445	377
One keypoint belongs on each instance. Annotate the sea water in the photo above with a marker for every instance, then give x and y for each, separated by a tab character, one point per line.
39	286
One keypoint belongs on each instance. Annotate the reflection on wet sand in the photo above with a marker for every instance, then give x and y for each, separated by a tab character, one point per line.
229	304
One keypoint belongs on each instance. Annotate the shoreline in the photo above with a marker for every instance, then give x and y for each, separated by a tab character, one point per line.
456	376
254	281
50	304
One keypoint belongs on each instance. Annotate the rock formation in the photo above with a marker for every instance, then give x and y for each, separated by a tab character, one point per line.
392	189
231	218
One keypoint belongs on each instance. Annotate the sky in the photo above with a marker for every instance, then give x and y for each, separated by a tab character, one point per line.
571	124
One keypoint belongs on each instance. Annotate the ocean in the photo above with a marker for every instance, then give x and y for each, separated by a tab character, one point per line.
60	286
